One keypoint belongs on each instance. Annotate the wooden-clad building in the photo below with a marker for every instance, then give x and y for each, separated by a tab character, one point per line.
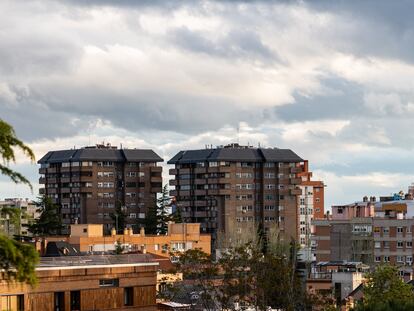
118	282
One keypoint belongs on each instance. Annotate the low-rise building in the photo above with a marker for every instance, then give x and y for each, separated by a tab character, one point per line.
373	232
180	237
122	282
336	278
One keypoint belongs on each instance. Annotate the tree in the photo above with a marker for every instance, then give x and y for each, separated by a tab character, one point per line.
17	260
49	222
163	203
384	286
157	218
119	218
118	248
9	141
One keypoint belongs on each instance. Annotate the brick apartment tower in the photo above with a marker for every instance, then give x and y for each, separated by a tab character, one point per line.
231	190
88	183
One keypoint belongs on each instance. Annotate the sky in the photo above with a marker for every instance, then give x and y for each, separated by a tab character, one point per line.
331	80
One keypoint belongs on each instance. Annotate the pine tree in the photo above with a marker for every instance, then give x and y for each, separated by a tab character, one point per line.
17	260
119	218
151	221
163	216
49	222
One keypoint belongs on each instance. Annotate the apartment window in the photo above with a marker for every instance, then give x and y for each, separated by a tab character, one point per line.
409	244
65	164
377	258
106	163
386	244
75	300
128	296
269	164
281	197
87	163
109	283
213	164
133	215
302	201
317	200
400	244
386	258
271	186
269	208
156	247
131	174
386	230
59	304
269	175
377	244
400	258
339	211
399	229
409	259
75	164
141	174
408	229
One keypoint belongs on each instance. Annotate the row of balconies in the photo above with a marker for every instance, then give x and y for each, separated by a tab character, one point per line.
224	169
286	192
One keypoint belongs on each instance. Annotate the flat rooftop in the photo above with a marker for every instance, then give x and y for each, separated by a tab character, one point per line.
95	261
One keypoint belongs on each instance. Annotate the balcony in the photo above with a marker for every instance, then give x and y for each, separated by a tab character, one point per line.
173	182
200	192
42	170
156	179
295	191
295	181
42	191
200	170
42	180
156	189
156	169
200	181
173	193
184	171
296	169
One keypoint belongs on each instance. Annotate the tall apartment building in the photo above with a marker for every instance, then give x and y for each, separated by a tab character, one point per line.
232	190
89	183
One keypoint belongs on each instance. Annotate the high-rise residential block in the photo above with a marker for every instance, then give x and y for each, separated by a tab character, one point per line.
89	183
234	190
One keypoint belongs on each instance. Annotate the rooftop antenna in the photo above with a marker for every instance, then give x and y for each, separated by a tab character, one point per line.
238	133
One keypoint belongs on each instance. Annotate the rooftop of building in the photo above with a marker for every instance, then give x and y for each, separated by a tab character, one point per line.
100	153
95	261
235	152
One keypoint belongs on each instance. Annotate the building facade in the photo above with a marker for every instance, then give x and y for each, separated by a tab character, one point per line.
234	190
311	206
124	282
369	231
91	238
89	183
27	212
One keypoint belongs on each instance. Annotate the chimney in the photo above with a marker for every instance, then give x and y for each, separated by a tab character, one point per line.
142	231
365	199
113	232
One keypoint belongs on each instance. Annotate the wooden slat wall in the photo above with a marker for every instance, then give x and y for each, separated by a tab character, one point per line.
101	299
42	301
144	296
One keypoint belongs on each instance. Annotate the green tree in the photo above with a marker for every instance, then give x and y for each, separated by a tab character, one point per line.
119	218
385	287
49	222
17	260
151	221
8	142
157	218
163	204
118	247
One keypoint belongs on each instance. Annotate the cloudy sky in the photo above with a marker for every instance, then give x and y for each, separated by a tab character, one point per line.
332	80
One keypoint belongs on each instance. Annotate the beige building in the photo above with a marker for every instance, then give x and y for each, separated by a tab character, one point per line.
180	237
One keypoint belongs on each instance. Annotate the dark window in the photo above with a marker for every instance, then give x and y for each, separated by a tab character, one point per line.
59	301
109	283
131	184
85	230
128	296
75	300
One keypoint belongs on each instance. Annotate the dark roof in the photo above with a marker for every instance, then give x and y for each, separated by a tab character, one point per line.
101	154
236	154
61	248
